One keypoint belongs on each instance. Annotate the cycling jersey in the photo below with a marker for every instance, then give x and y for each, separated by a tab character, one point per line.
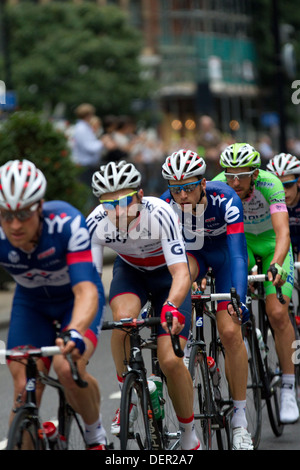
216	238
267	198
294	221
153	239
45	277
152	243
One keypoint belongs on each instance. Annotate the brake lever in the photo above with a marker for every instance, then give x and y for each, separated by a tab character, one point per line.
279	295
75	374
174	338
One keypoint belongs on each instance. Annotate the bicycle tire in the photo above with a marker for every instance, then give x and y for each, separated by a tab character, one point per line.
24	432
75	439
273	375
223	405
135	435
253	399
169	424
202	396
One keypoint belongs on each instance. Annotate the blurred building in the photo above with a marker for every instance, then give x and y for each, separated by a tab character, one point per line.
202	53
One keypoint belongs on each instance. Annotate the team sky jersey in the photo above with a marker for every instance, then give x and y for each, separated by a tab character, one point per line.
62	258
294	221
266	199
153	238
221	225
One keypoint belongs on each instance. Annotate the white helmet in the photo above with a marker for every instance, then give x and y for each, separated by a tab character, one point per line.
115	176
182	165
284	164
21	184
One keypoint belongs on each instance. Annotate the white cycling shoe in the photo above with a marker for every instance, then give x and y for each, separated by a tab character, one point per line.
115	425
289	411
241	439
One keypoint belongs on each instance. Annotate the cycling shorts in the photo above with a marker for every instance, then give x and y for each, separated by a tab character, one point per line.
127	279
33	322
264	247
215	256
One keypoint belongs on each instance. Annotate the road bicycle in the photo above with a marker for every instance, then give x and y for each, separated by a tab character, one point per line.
264	371
27	431
213	406
156	425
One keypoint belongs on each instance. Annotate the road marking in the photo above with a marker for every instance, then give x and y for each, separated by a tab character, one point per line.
115	395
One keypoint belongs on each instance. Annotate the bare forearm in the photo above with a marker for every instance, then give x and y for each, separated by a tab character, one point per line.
85	306
181	284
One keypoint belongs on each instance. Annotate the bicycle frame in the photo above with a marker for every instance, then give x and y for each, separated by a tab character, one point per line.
200	304
30	403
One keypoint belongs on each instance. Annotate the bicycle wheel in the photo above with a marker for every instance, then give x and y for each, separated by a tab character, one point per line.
202	397
169	424
222	399
253	400
25	432
273	378
74	431
135	433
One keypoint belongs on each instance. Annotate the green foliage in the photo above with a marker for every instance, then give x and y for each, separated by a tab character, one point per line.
26	135
73	53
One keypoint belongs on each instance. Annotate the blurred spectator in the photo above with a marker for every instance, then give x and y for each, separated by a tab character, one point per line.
147	154
87	147
209	140
264	146
293	147
121	131
96	125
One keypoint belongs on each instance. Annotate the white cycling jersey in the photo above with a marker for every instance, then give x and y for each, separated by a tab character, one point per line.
153	238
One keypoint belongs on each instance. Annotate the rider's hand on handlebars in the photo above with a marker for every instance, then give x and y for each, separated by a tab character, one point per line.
178	319
71	341
244	313
277	274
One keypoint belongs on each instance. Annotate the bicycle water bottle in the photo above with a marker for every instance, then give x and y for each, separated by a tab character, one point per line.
261	343
159	386
215	376
154	398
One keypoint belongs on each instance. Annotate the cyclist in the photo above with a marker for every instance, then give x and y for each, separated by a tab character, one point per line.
45	246
145	233
287	168
214	236
267	233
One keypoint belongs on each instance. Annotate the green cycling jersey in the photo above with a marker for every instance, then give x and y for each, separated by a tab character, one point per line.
266	199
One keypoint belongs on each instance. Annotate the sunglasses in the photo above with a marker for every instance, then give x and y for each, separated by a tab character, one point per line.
187	187
289	184
22	215
123	201
239	176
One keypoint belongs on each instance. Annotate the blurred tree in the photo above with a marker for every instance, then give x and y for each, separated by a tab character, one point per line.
72	53
26	135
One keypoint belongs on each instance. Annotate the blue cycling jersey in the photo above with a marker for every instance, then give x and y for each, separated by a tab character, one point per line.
45	277
61	259
294	222
221	230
